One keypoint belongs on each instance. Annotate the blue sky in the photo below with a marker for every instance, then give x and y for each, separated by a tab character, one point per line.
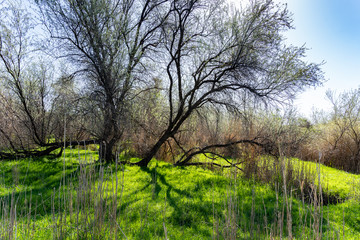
331	31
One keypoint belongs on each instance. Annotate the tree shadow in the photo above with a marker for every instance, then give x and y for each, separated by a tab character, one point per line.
181	201
39	180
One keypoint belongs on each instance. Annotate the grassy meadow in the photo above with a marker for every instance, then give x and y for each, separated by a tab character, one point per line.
76	197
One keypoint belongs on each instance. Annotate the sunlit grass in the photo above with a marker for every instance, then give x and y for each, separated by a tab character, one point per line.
333	181
84	199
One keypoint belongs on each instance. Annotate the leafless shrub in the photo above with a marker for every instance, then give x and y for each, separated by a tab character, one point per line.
337	136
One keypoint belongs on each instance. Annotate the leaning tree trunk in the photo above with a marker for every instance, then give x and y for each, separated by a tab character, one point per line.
172	129
145	161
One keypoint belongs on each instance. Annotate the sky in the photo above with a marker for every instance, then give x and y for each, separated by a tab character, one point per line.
330	29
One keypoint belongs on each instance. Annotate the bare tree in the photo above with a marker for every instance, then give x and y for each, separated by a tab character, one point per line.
26	97
340	140
31	121
212	56
106	39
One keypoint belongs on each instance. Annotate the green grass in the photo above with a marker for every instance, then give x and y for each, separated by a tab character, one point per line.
84	199
335	182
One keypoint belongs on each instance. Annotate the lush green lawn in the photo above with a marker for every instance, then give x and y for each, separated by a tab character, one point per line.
76	198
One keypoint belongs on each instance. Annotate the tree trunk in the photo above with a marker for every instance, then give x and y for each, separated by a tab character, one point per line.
145	161
111	132
106	151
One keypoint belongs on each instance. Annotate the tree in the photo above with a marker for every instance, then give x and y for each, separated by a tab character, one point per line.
211	56
31	120
340	138
26	98
107	40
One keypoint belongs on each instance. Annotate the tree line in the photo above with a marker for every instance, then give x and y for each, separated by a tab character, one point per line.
171	74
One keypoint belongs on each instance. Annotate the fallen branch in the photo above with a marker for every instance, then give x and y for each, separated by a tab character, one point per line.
184	160
211	164
49	148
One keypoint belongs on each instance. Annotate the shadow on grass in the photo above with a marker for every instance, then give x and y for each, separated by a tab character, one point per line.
37	179
188	208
